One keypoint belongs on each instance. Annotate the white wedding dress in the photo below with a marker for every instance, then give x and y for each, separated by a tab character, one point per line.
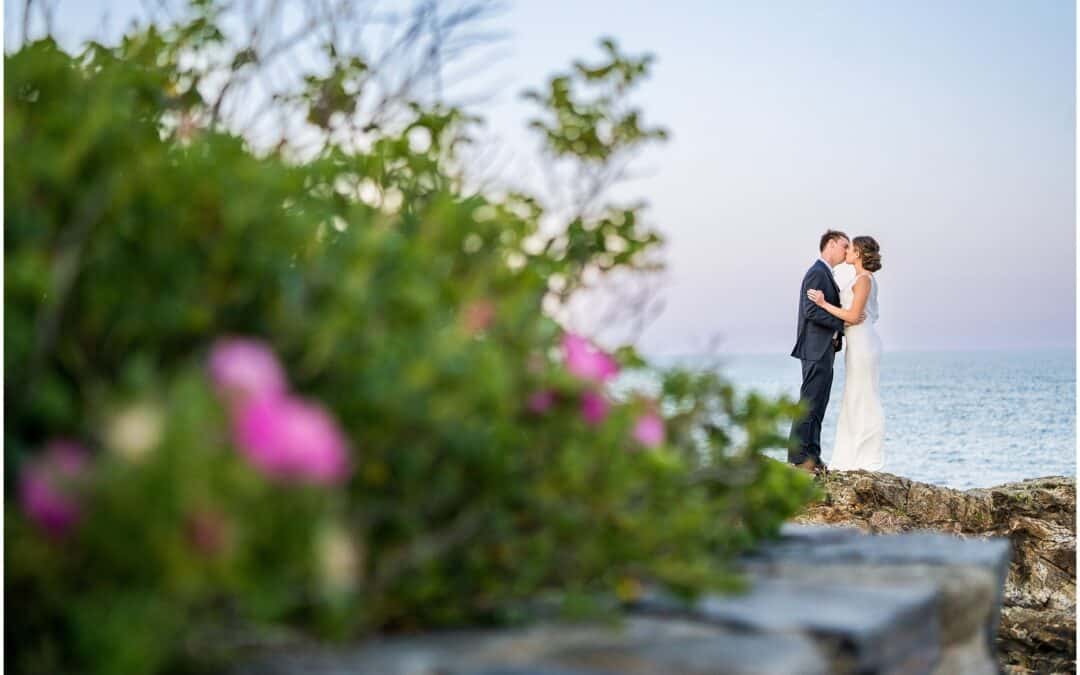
860	431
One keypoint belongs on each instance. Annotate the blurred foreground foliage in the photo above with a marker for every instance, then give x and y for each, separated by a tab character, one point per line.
410	309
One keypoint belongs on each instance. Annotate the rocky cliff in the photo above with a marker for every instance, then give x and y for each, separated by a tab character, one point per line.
1037	632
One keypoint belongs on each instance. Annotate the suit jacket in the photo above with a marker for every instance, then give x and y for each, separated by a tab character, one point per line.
816	326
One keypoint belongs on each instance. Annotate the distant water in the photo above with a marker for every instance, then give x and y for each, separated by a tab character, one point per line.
959	419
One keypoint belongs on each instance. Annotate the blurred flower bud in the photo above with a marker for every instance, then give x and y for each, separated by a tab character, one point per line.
187	127
541	401
594	407
649	430
134	431
244	369
46	493
478	315
338	558
587	362
292	440
209	532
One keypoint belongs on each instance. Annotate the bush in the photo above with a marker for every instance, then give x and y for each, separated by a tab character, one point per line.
248	392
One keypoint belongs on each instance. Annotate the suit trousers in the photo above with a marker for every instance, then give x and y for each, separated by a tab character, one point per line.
805	437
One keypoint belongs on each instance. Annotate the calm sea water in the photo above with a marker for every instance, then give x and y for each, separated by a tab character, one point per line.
960	419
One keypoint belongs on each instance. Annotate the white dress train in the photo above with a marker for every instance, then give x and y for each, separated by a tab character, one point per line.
860	431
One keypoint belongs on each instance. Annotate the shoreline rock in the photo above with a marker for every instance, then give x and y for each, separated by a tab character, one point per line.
1037	632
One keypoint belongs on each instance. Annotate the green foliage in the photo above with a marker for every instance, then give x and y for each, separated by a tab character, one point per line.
410	309
594	130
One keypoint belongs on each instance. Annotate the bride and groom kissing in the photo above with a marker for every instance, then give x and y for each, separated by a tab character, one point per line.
828	315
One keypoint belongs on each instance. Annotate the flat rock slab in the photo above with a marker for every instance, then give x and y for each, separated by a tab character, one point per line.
968	574
862	628
821	600
820	544
639	645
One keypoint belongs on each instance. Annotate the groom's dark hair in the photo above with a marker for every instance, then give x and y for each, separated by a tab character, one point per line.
829	236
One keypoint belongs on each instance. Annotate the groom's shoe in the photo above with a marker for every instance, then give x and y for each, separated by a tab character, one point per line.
813	466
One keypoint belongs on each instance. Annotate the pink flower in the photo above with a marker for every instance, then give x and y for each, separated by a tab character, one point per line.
541	401
292	440
244	369
43	492
478	315
586	361
649	430
594	407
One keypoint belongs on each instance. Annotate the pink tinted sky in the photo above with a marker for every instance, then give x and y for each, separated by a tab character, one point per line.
945	130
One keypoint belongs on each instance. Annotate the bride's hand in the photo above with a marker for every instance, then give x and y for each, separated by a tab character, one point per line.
816	297
849	324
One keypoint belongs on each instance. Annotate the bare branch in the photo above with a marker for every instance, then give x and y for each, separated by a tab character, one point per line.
26	21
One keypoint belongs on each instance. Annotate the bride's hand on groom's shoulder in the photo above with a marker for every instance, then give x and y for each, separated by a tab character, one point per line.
816	297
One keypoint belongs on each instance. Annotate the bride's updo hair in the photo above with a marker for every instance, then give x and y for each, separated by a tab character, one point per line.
869	252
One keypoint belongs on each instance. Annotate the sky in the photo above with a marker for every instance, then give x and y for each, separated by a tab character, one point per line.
944	130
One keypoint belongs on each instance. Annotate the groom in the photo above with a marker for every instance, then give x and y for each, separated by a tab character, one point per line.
820	336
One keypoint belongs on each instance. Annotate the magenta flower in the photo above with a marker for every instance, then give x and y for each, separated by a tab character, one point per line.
649	430
44	493
541	401
594	407
586	361
292	440
244	369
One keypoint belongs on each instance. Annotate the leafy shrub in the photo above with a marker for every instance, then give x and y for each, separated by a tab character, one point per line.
245	391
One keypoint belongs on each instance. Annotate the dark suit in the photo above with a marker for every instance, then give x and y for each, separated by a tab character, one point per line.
816	348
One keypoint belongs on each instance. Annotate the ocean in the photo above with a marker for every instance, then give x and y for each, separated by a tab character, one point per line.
961	419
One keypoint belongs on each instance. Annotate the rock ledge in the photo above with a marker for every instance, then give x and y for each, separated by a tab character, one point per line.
1037	632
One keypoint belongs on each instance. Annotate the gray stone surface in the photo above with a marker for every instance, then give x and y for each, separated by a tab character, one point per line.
640	645
823	544
731	653
860	627
966	595
821	600
817	547
874	628
967	575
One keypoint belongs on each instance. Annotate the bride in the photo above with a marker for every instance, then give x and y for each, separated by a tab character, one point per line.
860	432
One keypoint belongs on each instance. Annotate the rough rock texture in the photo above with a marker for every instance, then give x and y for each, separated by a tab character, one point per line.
1037	632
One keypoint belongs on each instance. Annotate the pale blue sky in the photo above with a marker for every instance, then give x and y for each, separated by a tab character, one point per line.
944	129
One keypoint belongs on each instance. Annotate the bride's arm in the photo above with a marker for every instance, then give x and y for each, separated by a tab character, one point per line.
858	303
